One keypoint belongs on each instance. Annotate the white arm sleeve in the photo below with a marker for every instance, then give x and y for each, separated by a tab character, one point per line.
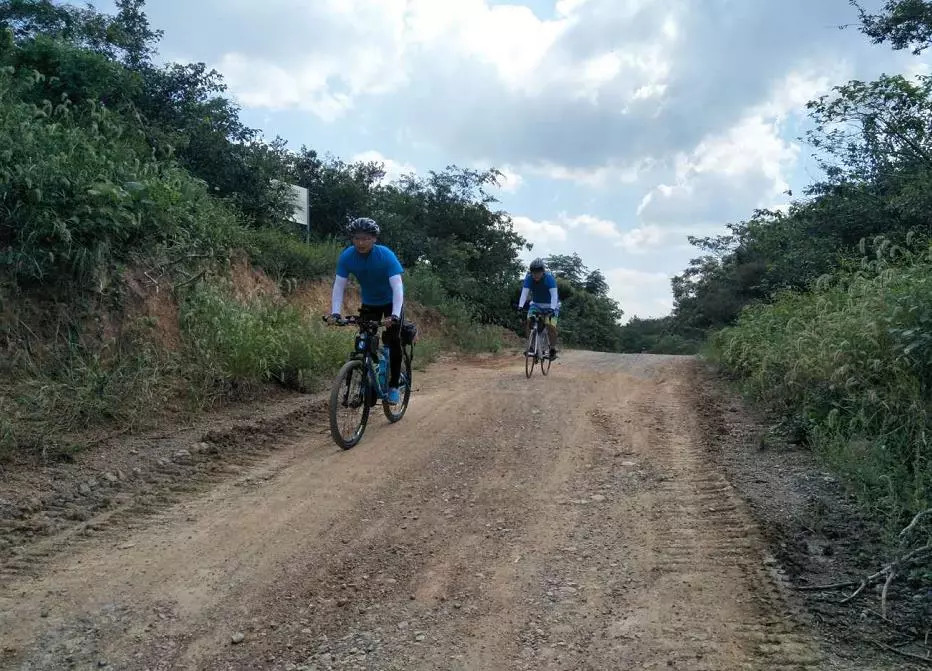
336	300
524	294
554	302
398	294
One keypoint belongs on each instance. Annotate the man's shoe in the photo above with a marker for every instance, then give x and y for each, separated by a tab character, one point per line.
553	354
393	396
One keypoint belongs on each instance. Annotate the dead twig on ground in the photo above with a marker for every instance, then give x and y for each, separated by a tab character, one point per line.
904	653
916	520
888	572
191	279
819	588
153	280
883	595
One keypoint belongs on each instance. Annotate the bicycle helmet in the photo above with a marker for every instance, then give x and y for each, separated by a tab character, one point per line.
537	264
363	225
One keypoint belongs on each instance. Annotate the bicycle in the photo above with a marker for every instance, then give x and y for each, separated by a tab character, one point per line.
363	380
538	342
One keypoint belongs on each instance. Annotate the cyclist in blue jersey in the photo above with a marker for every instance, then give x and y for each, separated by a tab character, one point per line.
378	272
541	287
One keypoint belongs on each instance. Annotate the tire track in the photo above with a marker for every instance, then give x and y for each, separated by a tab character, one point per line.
699	534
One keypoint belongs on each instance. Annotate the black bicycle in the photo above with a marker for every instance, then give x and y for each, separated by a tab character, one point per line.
538	342
363	381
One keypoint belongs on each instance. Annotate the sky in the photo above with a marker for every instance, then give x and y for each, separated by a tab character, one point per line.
621	126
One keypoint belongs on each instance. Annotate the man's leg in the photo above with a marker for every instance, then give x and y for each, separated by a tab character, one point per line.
552	331
392	337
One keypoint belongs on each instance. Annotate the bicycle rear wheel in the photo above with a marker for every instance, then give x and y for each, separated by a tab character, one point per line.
395	412
349	409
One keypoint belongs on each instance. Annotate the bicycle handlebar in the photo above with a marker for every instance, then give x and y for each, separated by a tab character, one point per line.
349	320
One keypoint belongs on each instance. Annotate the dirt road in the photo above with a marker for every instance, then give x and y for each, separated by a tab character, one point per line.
567	522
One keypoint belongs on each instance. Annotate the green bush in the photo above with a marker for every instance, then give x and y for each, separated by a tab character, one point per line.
462	328
79	194
233	345
674	344
80	389
423	285
850	361
425	352
285	256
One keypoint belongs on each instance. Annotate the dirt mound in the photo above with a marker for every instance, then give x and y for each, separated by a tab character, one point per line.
250	282
147	299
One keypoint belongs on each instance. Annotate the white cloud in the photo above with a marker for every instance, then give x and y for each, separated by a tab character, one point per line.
510	181
394	170
755	144
545	232
508	38
324	74
376	47
791	94
594	226
642	238
640	293
729	174
568	7
538	232
594	177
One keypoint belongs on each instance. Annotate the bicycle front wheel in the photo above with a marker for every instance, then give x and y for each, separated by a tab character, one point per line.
544	353
530	360
349	407
395	412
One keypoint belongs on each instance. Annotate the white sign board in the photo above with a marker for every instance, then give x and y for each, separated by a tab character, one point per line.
299	199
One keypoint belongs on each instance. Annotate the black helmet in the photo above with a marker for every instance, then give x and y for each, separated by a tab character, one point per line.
537	264
363	225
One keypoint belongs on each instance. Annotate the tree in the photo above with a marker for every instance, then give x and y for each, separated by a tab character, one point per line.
568	266
128	33
596	283
905	24
131	31
869	130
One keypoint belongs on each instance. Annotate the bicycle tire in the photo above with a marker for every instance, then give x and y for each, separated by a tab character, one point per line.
544	353
530	361
346	372
386	406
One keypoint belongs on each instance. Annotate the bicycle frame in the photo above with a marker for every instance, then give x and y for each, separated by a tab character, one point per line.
537	321
362	350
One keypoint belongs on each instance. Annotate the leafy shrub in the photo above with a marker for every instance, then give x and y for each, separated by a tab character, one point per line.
78	194
233	345
852	362
284	256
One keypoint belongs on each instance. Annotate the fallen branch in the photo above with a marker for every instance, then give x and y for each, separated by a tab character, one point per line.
883	595
153	280
819	588
191	279
916	519
888	572
186	257
904	653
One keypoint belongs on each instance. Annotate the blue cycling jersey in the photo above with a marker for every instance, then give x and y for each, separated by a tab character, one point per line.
372	272
540	291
